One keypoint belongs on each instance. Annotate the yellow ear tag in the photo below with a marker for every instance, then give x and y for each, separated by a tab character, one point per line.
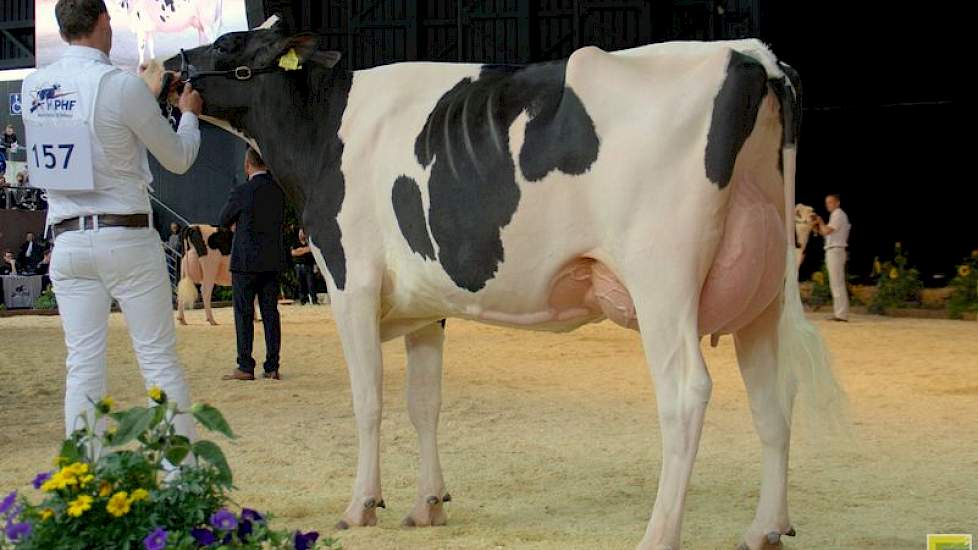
289	61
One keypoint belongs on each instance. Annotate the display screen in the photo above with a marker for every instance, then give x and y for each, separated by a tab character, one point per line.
144	29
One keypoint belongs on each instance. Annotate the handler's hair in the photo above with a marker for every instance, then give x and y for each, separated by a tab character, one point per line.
77	18
835	196
255	159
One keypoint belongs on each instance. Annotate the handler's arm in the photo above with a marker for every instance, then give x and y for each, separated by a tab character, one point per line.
232	209
176	151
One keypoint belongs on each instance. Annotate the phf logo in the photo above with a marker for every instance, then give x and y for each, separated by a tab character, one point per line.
50	99
949	542
15	104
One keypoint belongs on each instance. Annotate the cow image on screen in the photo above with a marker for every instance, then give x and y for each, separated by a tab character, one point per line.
650	186
149	17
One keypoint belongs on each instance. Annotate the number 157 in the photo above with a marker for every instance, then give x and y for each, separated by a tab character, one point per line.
50	158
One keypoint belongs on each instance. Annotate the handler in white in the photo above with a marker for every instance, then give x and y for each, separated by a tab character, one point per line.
105	247
836	234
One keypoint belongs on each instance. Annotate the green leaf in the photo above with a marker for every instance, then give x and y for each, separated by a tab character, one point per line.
209	452
71	452
178	447
136	421
212	419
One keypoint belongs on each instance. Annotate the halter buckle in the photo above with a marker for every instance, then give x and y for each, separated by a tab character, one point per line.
242	73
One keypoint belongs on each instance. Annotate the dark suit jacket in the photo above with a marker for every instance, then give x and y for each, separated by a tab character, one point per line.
29	263
258	208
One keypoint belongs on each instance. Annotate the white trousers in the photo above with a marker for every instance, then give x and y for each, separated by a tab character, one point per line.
835	260
90	268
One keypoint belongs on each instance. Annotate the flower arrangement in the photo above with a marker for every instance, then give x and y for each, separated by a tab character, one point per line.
46	300
821	291
140	485
896	284
964	296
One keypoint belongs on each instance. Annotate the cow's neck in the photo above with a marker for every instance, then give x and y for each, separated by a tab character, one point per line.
295	121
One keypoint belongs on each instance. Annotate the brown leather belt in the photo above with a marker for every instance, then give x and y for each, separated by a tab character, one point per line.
104	220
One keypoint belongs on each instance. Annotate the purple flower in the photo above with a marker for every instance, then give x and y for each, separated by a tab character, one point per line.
41	478
203	536
224	520
244	530
251	515
17	532
156	540
305	542
8	502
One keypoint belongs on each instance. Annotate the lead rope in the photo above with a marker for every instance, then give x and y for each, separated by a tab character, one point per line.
169	116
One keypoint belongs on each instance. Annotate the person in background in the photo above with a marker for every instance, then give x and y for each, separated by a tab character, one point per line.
836	235
8	266
31	253
256	209
174	241
9	139
305	271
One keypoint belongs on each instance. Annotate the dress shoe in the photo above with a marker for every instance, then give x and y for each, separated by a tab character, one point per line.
238	374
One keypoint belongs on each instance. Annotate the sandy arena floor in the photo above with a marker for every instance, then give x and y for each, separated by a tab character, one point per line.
551	441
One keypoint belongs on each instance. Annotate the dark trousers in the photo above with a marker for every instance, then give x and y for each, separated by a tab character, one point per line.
244	288
307	283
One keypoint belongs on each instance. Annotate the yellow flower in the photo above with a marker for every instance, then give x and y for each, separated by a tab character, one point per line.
78	468
59	460
139	494
47	514
79	506
105	405
119	504
964	270
104	489
85	480
877	267
818	277
974	253
156	394
894	274
56	482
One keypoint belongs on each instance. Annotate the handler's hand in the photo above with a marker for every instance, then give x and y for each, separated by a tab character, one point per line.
190	100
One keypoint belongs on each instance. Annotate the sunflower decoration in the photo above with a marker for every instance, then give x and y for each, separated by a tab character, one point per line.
877	266
818	277
894	273
964	270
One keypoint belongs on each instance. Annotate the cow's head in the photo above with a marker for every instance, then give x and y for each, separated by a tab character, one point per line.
229	72
803	214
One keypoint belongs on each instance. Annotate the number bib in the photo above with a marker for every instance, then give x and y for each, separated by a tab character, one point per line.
60	157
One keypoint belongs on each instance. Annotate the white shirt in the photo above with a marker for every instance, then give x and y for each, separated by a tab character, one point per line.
127	122
839	222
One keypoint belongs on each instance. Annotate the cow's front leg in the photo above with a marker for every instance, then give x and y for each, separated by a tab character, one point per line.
757	355
668	324
356	312
424	358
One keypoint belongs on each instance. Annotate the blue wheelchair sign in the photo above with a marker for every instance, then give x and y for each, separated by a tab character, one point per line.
15	104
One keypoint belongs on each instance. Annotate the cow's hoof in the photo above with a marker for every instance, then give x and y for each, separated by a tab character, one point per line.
361	513
428	512
182	321
769	541
212	322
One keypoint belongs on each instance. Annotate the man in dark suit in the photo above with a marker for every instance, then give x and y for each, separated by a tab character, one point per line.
256	209
31	253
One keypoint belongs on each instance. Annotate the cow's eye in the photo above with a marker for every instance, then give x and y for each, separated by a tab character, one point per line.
219	49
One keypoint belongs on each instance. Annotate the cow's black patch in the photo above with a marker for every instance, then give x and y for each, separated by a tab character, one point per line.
191	234
221	240
734	112
472	188
406	199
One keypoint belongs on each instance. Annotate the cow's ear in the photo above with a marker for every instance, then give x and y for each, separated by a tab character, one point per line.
328	58
303	44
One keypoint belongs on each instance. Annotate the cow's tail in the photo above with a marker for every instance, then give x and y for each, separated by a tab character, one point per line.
805	367
186	289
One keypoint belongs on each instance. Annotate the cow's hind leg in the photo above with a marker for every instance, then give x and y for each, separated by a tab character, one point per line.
424	353
355	311
682	388
207	290
757	354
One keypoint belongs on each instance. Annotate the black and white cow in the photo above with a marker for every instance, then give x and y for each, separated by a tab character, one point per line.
647	186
